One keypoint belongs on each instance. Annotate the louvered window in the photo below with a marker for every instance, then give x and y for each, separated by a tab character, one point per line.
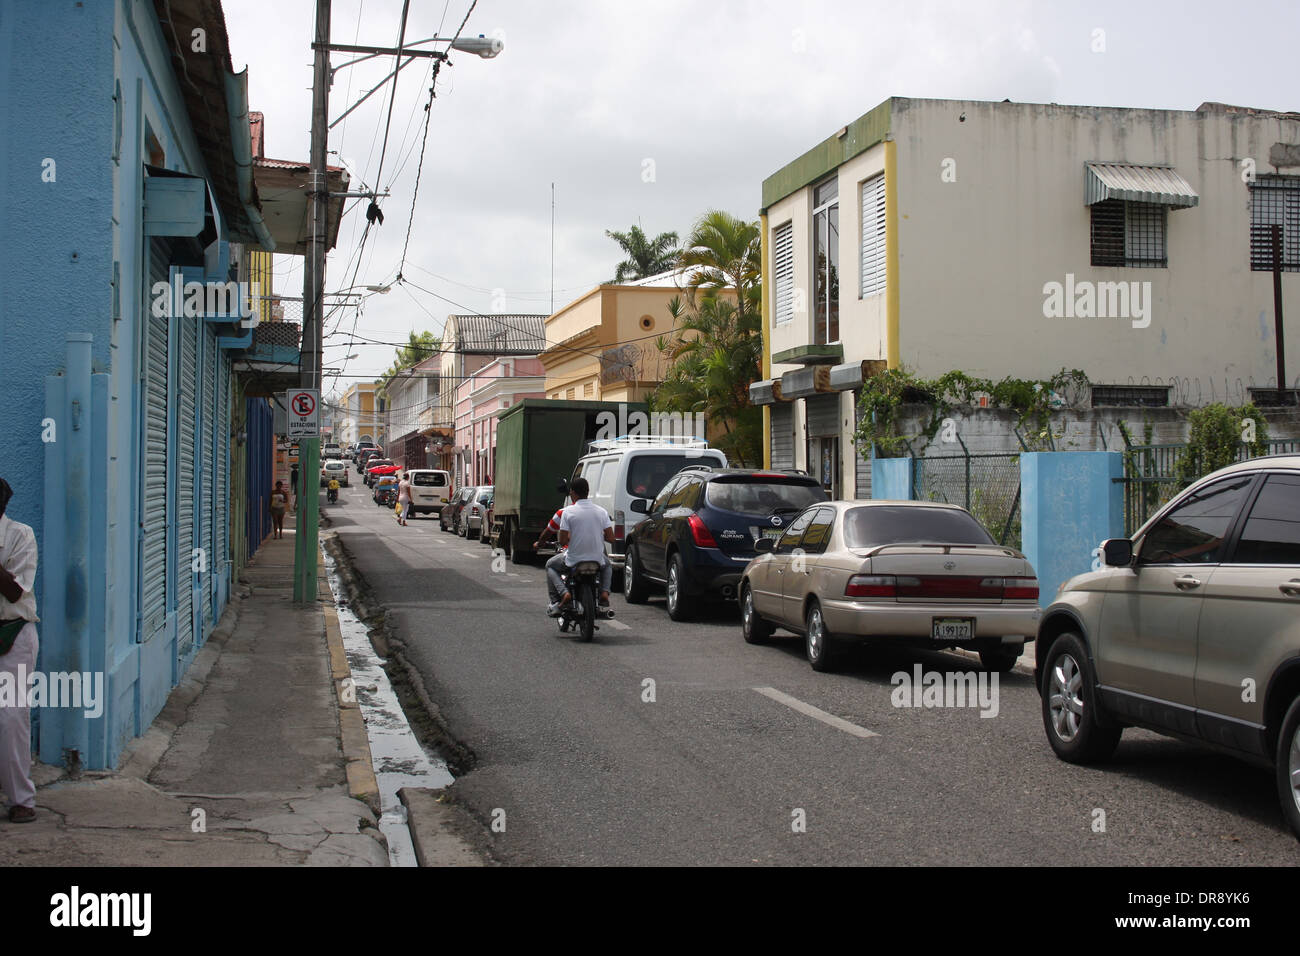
783	265
873	236
1130	234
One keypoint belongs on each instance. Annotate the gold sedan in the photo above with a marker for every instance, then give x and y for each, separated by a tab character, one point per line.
906	572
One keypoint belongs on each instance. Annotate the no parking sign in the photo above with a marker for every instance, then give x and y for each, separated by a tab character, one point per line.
303	413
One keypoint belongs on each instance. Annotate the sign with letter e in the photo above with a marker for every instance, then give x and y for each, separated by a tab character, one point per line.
303	413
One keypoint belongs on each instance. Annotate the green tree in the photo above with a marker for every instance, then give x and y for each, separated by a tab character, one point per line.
1221	435
716	346
420	346
645	257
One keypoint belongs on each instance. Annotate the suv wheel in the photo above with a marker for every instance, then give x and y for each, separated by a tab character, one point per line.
753	628
680	604
1070	710
635	589
818	643
1288	767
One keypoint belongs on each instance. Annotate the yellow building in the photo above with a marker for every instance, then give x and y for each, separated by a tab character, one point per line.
603	346
363	416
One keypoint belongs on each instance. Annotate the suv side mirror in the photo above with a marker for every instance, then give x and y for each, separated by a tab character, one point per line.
640	505
764	546
1117	552
562	486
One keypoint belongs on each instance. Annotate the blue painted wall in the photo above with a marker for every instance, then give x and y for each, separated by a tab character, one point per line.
891	479
74	263
1069	505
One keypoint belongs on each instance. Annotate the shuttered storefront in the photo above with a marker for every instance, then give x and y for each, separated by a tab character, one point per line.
154	451
187	424
782	435
207	473
217	564
863	464
823	416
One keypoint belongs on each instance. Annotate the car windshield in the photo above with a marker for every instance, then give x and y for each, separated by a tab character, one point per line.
763	496
869	527
429	479
485	495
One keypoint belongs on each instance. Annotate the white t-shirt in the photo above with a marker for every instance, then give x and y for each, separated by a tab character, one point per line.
586	522
18	555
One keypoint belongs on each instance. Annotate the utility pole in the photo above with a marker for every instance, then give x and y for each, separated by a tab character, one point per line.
306	539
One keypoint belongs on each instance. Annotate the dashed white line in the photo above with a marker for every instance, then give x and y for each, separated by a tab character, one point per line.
816	713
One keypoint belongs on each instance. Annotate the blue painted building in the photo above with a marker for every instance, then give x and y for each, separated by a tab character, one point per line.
126	170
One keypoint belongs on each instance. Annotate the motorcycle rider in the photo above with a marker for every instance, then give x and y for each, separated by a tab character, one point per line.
554	563
333	494
584	528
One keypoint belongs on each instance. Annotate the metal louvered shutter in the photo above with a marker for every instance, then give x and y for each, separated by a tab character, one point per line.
783	270
823	415
862	460
873	236
217	563
153	497
186	424
782	435
207	476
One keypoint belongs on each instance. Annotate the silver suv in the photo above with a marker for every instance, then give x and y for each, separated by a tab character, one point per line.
1190	629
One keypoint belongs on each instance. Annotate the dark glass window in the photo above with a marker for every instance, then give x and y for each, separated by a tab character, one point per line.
793	536
1129	234
665	495
429	479
818	534
870	527
647	474
1272	532
762	497
1193	532
826	244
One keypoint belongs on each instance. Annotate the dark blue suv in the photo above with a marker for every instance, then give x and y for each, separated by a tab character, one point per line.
699	533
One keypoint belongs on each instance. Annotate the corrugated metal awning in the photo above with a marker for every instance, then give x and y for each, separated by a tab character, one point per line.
1153	184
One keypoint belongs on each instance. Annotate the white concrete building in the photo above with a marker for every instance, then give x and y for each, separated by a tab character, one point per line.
1016	239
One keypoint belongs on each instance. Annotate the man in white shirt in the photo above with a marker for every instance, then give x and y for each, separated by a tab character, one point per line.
17	660
584	528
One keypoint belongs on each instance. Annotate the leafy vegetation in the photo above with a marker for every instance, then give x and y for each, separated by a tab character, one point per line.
645	257
419	347
1218	433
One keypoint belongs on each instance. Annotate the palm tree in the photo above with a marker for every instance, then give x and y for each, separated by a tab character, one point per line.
419	347
645	258
716	347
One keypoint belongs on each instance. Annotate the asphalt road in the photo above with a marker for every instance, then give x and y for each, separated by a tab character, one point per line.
742	744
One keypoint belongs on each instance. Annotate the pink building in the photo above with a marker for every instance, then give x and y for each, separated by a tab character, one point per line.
484	392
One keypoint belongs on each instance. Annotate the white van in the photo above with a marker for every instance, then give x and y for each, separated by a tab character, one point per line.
430	490
620	470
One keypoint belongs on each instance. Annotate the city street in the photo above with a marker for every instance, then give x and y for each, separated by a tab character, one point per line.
739	754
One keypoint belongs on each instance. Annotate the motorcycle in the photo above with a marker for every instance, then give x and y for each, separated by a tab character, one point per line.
582	582
332	495
386	496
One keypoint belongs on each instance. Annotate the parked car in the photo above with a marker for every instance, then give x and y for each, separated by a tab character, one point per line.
485	535
331	450
385	491
365	450
622	470
376	467
901	572
447	518
333	468
430	490
1190	629
470	520
699	534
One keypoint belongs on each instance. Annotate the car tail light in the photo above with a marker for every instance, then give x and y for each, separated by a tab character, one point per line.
1020	589
700	532
872	586
620	529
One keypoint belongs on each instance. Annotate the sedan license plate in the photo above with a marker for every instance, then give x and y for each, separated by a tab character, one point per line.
952	628
772	533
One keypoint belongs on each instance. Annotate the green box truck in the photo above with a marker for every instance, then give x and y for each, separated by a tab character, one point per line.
539	440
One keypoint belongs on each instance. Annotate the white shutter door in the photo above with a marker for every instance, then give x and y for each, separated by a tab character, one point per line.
186	424
873	236
153	498
207	473
783	267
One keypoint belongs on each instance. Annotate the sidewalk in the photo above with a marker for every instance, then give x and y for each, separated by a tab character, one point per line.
253	760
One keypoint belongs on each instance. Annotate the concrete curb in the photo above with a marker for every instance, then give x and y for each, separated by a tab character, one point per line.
362	783
434	823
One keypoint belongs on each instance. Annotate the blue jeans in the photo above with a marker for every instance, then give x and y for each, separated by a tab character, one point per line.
555	576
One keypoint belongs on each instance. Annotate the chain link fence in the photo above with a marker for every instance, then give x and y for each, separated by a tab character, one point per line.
986	485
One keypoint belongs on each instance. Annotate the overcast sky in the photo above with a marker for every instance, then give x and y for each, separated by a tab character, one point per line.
702	99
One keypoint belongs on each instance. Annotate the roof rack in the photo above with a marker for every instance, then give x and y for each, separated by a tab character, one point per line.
630	441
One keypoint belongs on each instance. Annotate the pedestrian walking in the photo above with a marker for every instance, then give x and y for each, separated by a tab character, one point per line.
18	649
293	483
404	498
278	502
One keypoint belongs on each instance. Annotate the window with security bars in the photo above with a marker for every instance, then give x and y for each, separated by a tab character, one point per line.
783	271
1129	234
873	236
1275	202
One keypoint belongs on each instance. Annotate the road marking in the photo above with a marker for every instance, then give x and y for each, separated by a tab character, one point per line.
617	625
469	554
816	713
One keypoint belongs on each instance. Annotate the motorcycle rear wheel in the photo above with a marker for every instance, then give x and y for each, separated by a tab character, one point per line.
587	595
